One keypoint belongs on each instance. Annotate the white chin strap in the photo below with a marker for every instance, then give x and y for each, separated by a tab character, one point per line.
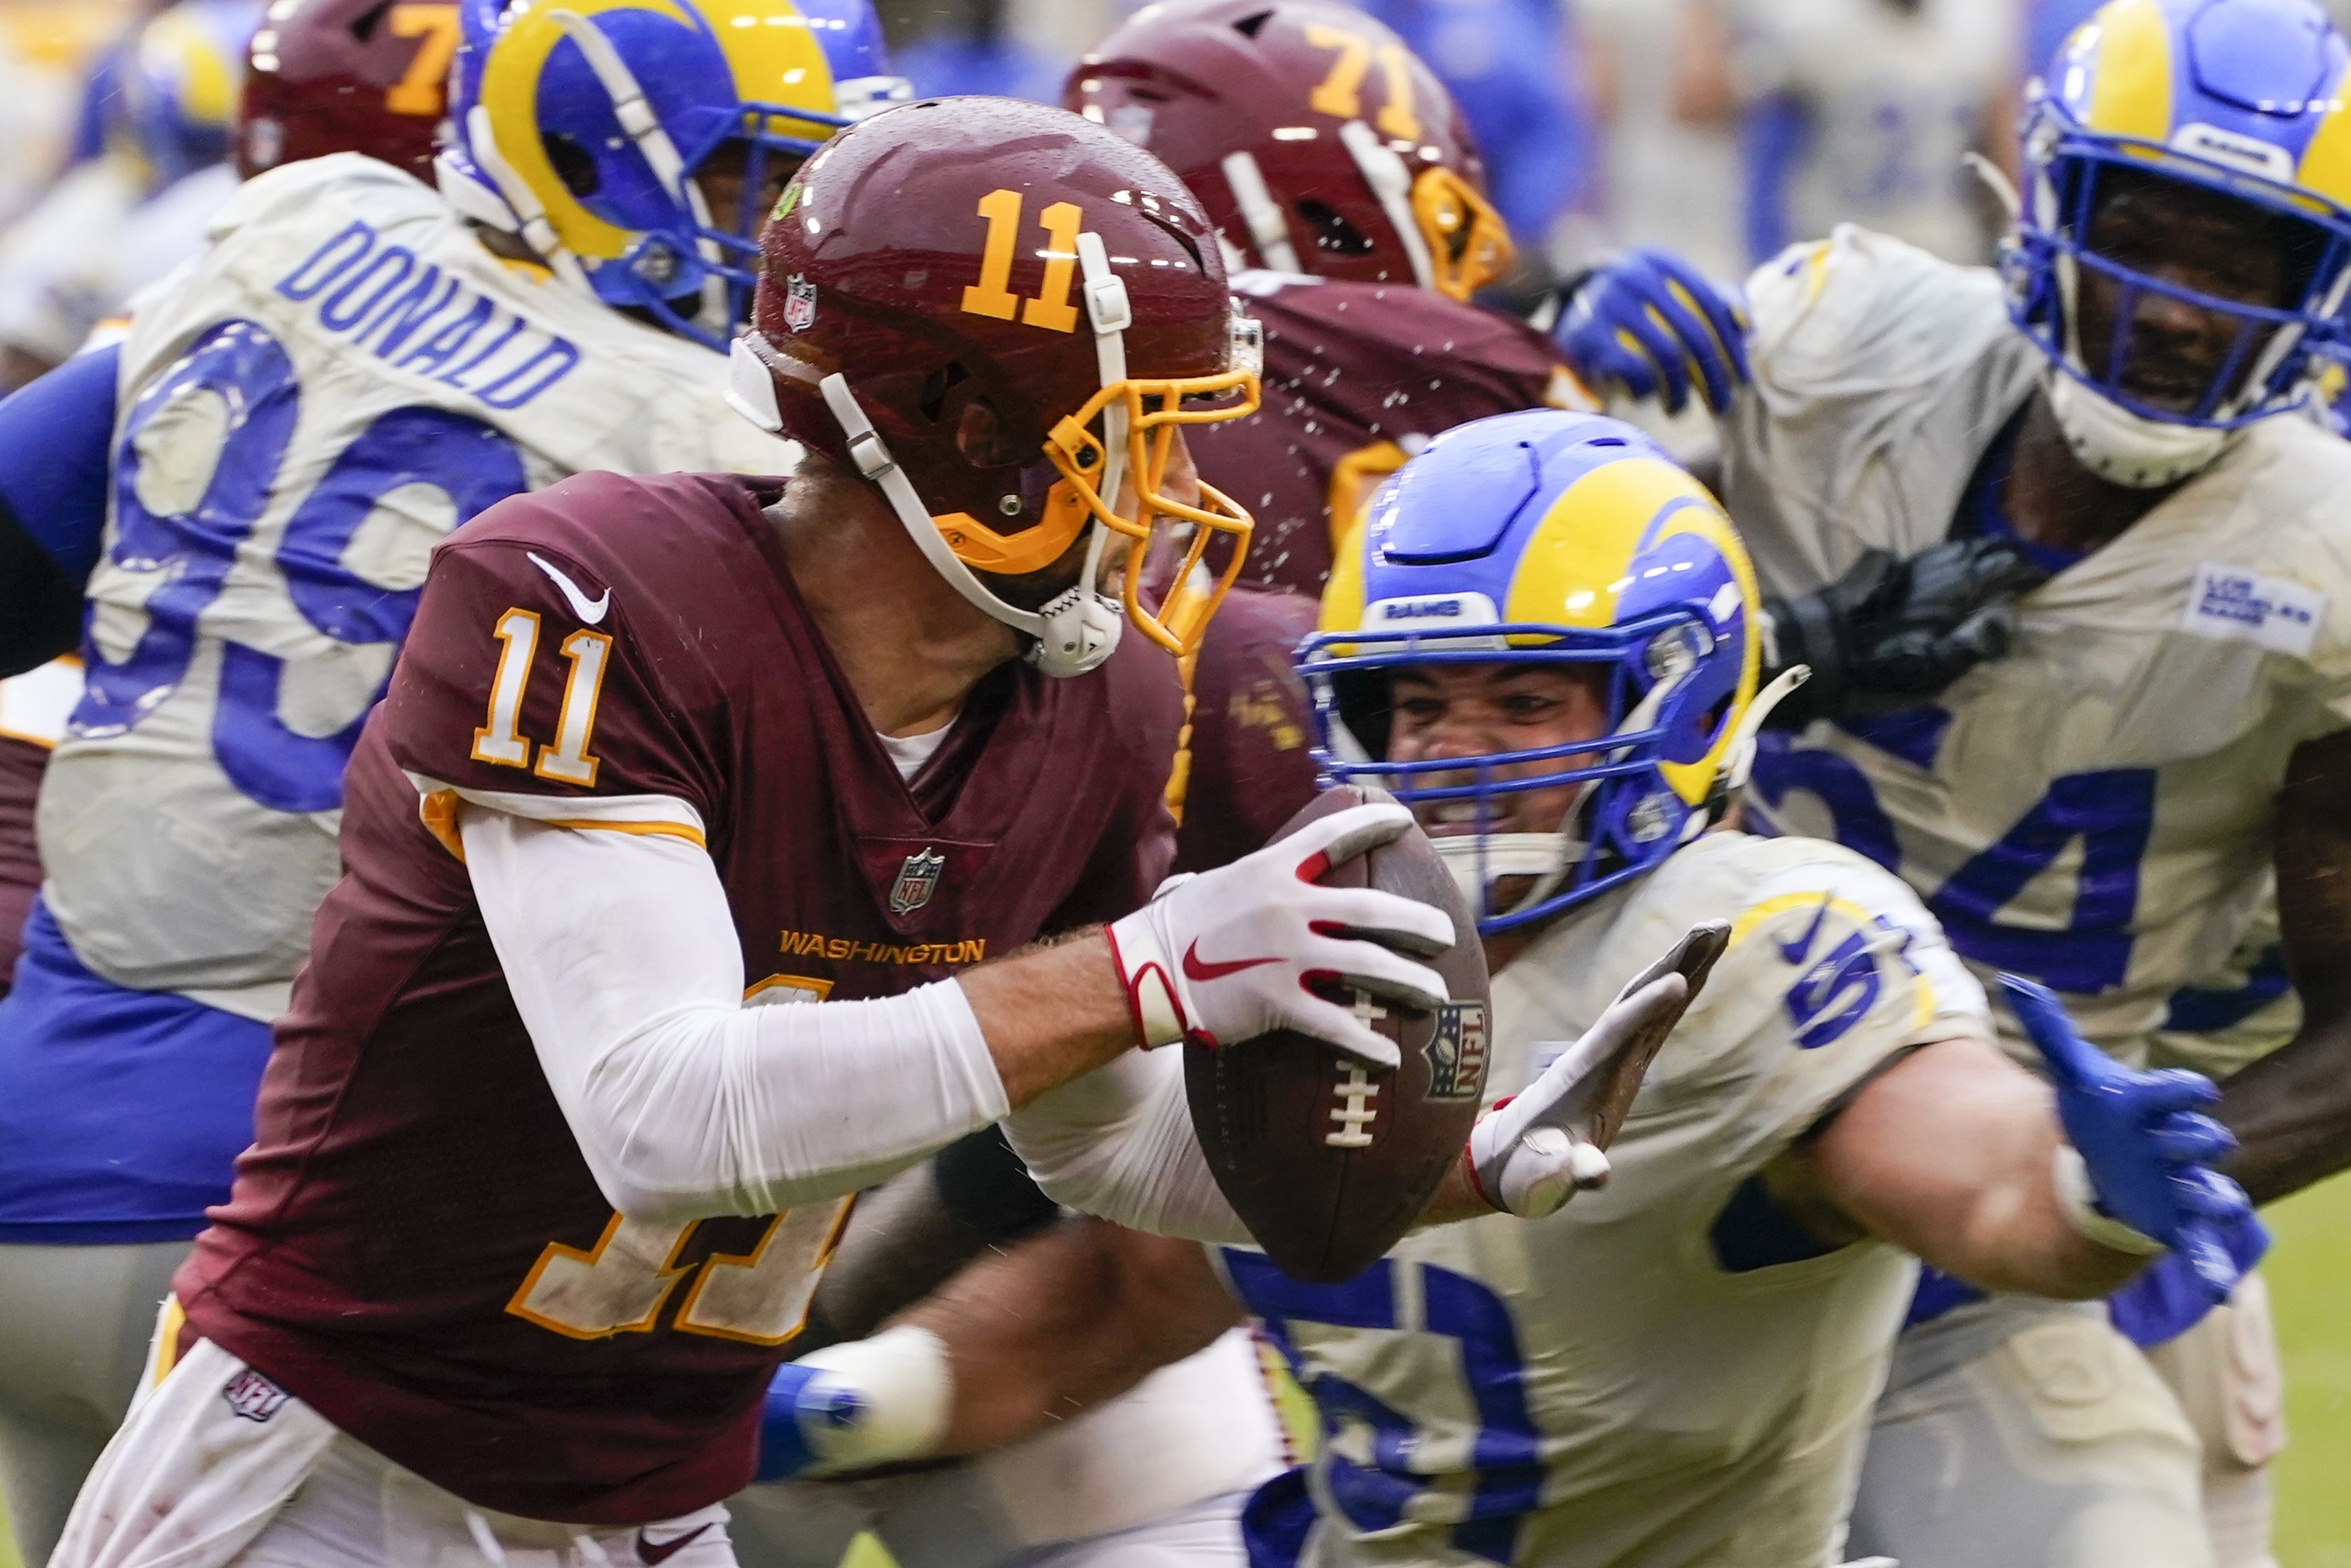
1391	184
2124	448
505	205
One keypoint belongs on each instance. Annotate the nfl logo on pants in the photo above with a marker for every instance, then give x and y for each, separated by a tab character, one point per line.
916	879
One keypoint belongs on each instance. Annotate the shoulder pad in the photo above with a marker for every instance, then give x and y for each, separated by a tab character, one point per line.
1858	300
384	193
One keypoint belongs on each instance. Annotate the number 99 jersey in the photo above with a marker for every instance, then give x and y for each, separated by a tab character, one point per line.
2093	811
346	375
1665	1372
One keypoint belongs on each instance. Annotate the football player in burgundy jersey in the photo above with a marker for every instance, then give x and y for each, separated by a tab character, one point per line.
1343	179
1336	166
538	1191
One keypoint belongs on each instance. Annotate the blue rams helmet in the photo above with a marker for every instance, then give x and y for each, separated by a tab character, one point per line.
2243	97
175	87
579	127
1548	539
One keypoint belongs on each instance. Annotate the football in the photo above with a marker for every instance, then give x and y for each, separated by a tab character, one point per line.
1326	1160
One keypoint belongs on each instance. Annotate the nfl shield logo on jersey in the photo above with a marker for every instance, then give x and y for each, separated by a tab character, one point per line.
254	1396
800	304
1457	1052
916	879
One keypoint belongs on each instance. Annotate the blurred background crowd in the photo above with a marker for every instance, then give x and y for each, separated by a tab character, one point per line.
1721	129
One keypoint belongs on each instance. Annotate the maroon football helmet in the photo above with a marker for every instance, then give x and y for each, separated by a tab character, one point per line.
1002	316
347	75
1319	143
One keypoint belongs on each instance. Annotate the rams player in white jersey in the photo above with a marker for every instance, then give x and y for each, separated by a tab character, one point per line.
1548	631
2121	405
357	364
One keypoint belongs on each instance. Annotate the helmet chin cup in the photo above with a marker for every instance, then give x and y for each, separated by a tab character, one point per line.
1081	631
2124	448
1478	862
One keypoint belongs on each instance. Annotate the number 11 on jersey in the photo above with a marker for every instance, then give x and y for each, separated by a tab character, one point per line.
500	740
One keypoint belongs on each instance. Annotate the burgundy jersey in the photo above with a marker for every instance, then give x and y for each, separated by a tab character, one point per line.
22	763
1358	376
415	1244
1252	764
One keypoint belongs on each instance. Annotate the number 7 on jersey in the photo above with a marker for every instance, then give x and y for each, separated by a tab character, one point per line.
500	741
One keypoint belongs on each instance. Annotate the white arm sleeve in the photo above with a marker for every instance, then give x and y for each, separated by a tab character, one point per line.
1118	1144
623	961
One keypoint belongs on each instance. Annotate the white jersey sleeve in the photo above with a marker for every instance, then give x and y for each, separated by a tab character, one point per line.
1667	1371
2093	811
344	375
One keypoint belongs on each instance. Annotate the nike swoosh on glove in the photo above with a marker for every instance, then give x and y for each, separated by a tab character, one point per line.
1536	1150
2143	1144
1236	951
1653	325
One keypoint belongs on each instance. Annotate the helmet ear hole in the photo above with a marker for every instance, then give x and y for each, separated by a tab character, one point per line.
935	387
572	164
984	437
1330	228
364	27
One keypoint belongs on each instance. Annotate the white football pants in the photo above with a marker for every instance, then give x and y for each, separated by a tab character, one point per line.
2015	1434
216	1467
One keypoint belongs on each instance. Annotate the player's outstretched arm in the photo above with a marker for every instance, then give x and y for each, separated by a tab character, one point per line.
2292	1110
1072	1317
1959	1155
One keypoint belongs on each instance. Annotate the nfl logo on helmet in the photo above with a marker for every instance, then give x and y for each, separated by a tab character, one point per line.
800	304
916	879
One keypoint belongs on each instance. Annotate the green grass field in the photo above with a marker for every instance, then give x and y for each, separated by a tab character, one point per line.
2310	1278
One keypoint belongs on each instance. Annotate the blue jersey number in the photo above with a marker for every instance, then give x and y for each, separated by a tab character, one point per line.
237	375
2109	814
1505	1456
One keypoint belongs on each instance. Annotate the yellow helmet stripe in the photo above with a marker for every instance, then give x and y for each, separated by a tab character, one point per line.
2326	162
1588	538
775	58
180	48
510	98
2131	54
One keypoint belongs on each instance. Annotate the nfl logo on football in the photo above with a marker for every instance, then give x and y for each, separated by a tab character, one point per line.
1457	1052
916	879
800	304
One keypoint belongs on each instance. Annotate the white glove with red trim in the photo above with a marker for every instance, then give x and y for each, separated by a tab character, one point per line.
1230	955
1534	1151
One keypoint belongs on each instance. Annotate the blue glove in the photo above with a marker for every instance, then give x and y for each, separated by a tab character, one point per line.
2167	1298
1651	323
801	1404
2144	1141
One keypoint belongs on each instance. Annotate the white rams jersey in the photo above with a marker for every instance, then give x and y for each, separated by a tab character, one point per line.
2093	810
1663	1373
1894	97
344	376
